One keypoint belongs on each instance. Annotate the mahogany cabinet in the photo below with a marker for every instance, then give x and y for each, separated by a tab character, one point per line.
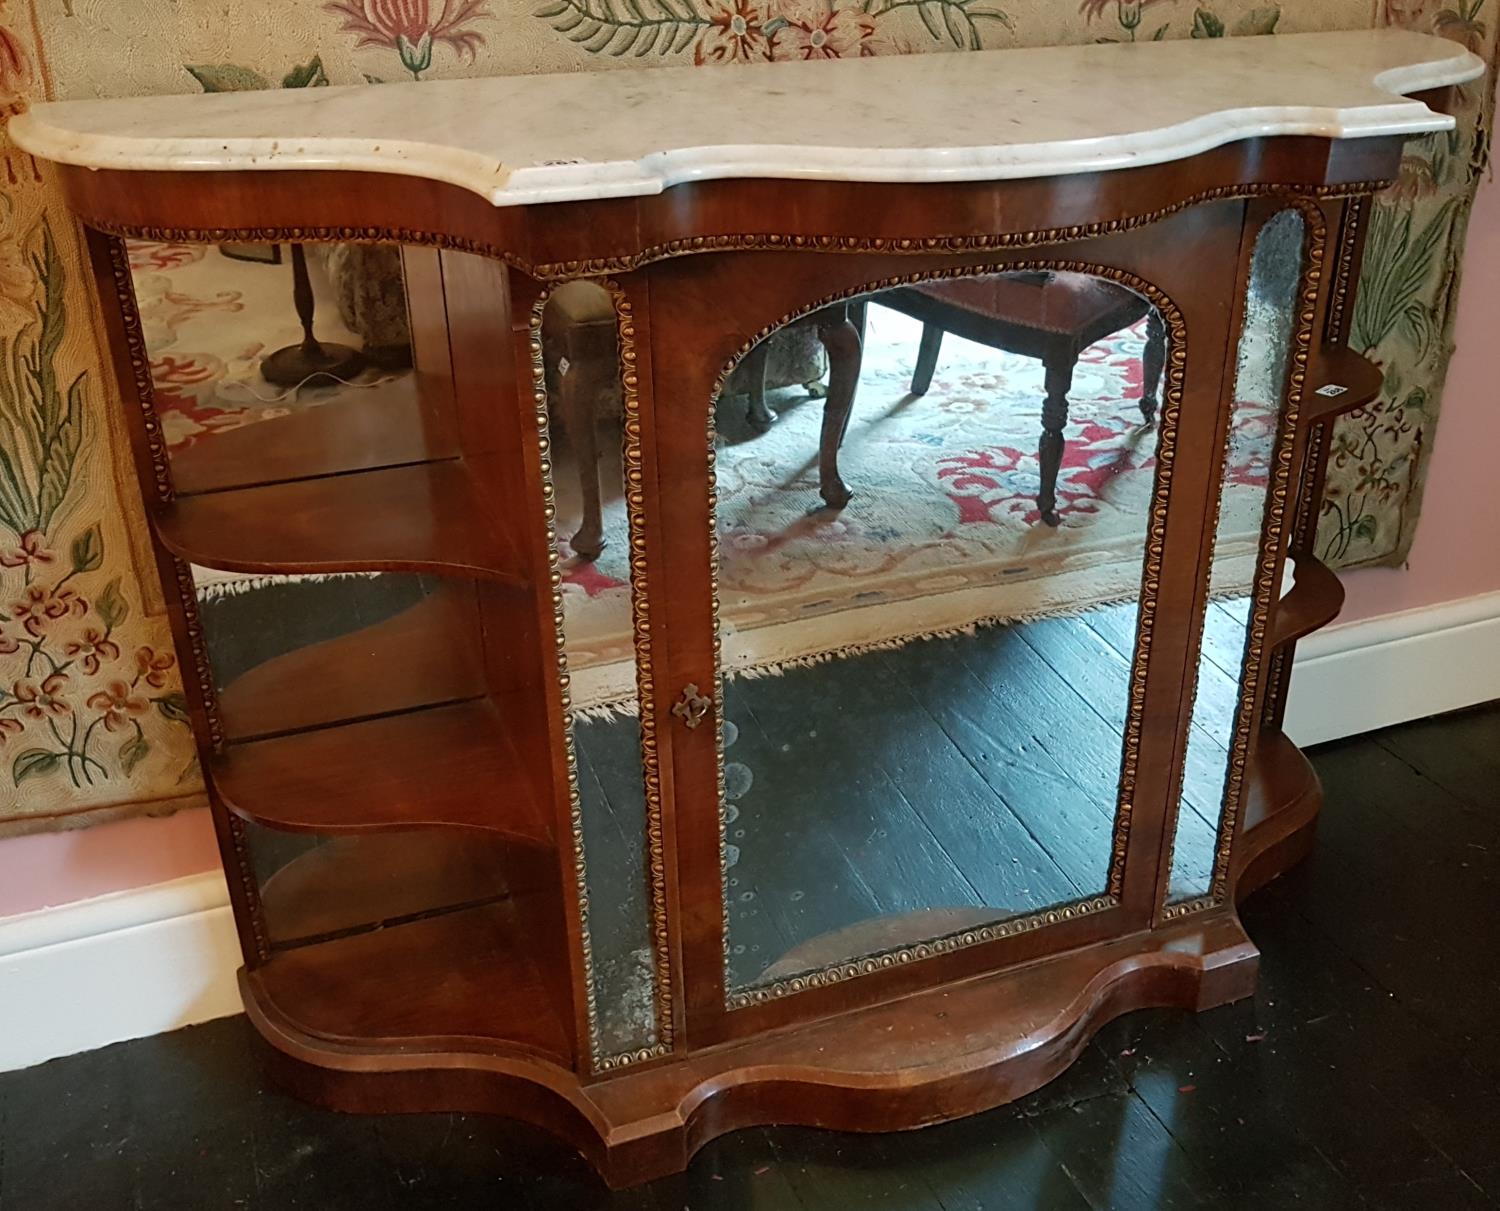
863	818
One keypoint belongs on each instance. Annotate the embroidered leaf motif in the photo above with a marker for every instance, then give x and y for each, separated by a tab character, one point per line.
133	752
1258	21
227	77
172	706
112	606
308	75
1206	25
33	763
88	550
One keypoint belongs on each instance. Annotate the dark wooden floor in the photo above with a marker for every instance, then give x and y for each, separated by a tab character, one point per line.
1365	1073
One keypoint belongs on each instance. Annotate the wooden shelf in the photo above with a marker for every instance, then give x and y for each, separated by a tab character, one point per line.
463	978
422	518
423	656
1337	365
386	425
1281	780
1316	598
370	880
448	766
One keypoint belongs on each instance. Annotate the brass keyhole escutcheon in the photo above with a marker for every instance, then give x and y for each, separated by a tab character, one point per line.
692	709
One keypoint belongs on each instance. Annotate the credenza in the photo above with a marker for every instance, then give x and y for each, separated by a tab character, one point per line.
862	810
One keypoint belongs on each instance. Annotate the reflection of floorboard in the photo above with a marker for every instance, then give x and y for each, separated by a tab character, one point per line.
1212	723
1004	748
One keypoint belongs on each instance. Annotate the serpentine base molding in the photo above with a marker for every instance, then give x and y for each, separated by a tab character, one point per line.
929	1059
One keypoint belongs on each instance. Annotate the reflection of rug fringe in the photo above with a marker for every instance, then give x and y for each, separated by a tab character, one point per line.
608	712
626	707
778	667
896	643
233	584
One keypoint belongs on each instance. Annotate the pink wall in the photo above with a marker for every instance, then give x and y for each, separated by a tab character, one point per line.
1457	554
56	868
1457	548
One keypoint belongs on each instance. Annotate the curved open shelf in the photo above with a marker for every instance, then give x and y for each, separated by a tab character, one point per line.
339	885
460	980
1316	598
1281	814
1337	366
1280	778
451	766
426	655
421	518
385	425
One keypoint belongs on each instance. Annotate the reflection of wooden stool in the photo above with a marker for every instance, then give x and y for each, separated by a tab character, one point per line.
1050	316
580	348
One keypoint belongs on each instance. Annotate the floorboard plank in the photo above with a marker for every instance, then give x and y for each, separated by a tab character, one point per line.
1121	1157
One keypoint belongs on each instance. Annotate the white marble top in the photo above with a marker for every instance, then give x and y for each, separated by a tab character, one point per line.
985	115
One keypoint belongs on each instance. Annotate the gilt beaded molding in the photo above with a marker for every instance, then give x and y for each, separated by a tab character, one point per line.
140	368
1341	290
560	271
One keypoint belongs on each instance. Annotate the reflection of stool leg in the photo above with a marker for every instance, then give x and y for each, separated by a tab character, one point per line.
1054	421
1153	361
759	413
841	339
577	402
927	356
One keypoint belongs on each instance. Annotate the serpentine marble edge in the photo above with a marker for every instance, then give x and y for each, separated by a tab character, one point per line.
989	115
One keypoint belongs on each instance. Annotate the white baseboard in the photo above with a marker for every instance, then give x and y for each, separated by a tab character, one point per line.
118	967
1367	675
146	961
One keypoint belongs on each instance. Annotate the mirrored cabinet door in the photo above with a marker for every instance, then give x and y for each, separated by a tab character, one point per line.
932	514
1205	815
599	558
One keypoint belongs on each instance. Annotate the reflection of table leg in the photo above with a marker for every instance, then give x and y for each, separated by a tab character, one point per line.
576	400
1153	362
927	357
759	413
1054	421
841	339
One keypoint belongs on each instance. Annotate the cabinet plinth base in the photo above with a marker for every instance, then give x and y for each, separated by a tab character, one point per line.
939	1055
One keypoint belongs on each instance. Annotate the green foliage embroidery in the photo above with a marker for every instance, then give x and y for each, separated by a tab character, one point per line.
664	27
1398	264
619	27
42	422
956	21
234	78
1256	22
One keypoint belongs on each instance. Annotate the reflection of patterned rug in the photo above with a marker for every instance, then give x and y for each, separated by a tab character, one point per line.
208	320
943	530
